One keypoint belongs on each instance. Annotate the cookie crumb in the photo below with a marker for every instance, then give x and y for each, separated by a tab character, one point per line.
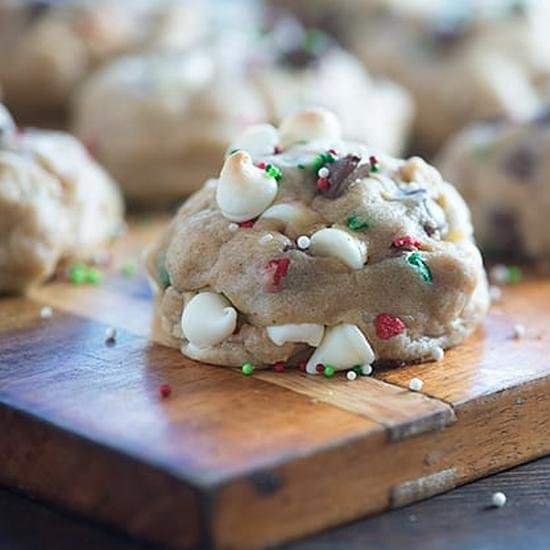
519	331
416	384
46	312
351	375
498	500
495	292
110	335
165	390
303	242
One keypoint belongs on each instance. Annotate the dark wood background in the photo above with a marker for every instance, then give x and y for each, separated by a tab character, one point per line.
459	519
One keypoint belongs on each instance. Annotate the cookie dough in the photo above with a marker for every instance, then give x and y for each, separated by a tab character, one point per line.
56	204
161	123
322	253
47	47
502	168
462	61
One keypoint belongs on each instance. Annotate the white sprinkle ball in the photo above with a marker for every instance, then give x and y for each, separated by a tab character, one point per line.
303	242
498	499
264	239
366	370
499	274
46	312
519	331
415	384
495	292
110	335
438	354
351	375
233	226
323	172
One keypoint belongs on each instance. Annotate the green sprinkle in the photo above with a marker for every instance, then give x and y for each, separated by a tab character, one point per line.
129	269
93	276
247	369
415	259
355	223
77	274
329	371
274	172
301	167
233	151
375	167
320	160
358	369
515	275
163	275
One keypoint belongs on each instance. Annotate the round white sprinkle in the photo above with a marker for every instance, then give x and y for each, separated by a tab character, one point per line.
233	226
366	370
110	335
264	239
303	242
415	384
519	331
323	172
495	293
438	354
499	274
46	312
351	375
498	499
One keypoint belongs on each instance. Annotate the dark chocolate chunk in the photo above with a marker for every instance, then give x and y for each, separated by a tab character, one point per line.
522	162
340	176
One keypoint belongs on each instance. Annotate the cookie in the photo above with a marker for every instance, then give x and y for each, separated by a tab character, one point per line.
161	124
308	249
502	168
462	61
56	204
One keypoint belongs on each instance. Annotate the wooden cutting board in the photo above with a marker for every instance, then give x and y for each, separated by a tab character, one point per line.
236	462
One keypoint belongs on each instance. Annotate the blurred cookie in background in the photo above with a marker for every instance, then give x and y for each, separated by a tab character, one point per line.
162	123
47	47
501	169
57	206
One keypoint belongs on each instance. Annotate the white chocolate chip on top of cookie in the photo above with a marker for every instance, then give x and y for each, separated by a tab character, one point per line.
344	346
307	333
244	191
310	125
338	243
208	319
259	139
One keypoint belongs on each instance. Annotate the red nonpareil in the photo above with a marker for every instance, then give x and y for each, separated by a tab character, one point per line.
279	366
165	390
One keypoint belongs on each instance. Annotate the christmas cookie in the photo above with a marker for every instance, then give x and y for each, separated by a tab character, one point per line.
502	168
56	204
316	252
462	61
161	123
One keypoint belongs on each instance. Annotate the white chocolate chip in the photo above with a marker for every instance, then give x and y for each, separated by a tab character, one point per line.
309	125
259	139
244	191
303	242
285	212
308	333
208	319
415	384
339	244
343	346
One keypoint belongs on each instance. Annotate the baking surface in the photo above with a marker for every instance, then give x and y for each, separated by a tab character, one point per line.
254	459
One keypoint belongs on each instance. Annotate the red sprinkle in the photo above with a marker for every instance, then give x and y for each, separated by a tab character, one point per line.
408	242
333	152
247	224
279	367
373	160
279	270
261	165
320	368
323	184
388	326
165	390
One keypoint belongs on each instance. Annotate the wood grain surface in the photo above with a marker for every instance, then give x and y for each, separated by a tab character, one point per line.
249	461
